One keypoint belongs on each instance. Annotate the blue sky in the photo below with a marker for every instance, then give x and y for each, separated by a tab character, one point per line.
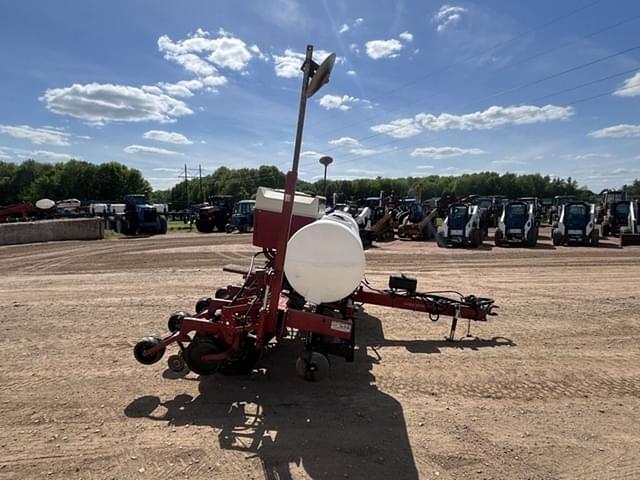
420	87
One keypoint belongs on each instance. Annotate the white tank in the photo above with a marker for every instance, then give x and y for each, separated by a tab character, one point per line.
325	259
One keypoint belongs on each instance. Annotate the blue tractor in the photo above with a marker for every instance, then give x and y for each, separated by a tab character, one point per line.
242	218
140	217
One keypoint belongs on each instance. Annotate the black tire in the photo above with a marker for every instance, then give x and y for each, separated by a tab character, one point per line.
221	293
606	230
594	241
229	228
202	304
243	362
475	238
163	226
534	237
199	347
497	238
556	237
175	320
176	364
145	344
204	226
221	224
127	228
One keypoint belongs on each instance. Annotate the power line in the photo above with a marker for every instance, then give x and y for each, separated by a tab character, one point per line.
515	89
351	160
496	47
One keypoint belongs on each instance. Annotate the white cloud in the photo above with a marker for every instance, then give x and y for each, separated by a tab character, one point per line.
354	48
35	154
288	65
358	21
364	152
38	136
60	157
439	153
169	137
351	72
406	36
493	117
179	89
586	156
142	149
630	88
364	171
343	103
343	28
448	15
617	131
424	167
345	142
401	128
378	49
311	155
104	103
199	52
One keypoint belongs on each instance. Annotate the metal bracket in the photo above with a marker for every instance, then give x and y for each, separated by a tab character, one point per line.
454	324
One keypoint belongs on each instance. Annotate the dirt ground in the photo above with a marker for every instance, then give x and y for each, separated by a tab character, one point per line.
550	389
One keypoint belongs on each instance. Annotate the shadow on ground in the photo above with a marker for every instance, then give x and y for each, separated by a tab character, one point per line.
341	427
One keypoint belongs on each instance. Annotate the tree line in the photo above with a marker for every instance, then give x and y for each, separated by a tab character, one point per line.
242	184
31	180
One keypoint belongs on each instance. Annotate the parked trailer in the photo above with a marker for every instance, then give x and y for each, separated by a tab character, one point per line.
15	212
98	209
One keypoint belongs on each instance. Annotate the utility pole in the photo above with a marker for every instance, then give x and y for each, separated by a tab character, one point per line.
201	190
186	183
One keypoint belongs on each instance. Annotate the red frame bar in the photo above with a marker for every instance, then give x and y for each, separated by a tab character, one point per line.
417	304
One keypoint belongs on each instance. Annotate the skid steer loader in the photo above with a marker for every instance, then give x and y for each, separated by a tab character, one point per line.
517	225
462	226
630	235
576	225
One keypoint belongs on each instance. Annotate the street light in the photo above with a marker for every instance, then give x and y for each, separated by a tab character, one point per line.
326	161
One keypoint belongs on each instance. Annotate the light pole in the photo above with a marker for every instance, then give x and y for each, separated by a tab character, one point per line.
326	161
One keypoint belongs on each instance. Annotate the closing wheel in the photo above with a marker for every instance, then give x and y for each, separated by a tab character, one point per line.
143	346
177	364
242	362
175	321
312	367
202	304
199	347
221	293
